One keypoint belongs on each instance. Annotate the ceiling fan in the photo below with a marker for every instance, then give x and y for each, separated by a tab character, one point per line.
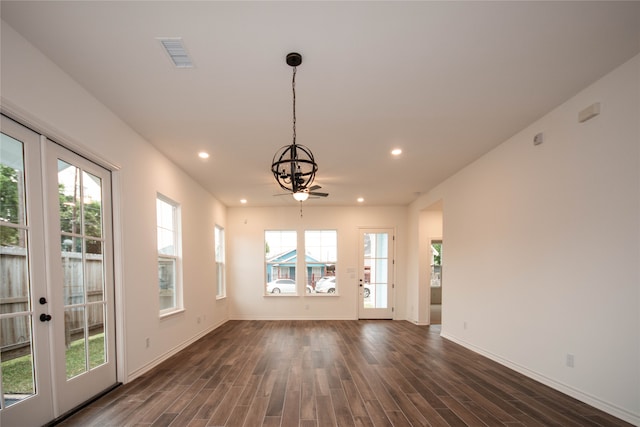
310	192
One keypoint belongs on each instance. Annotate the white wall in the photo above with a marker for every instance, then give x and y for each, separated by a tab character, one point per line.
245	259
36	91
542	248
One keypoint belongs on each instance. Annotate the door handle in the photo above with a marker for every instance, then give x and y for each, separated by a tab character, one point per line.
42	300
45	317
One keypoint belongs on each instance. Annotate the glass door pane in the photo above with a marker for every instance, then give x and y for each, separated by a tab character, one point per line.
81	231
16	342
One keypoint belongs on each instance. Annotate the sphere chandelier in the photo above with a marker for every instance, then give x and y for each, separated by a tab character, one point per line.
294	166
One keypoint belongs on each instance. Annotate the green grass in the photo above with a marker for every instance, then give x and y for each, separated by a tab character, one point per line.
16	376
16	373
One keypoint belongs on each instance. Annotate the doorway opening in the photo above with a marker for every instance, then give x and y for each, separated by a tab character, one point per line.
431	309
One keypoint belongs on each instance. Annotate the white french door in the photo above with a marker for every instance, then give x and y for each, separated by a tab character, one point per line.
375	280
25	369
81	276
58	347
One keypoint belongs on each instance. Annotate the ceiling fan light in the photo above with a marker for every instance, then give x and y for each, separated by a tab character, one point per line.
301	196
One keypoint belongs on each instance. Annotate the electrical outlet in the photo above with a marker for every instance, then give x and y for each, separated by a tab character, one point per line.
464	325
198	320
570	362
147	342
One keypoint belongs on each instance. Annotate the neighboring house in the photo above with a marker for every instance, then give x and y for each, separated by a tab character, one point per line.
283	266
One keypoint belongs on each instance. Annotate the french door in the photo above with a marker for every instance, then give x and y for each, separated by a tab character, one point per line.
57	341
375	295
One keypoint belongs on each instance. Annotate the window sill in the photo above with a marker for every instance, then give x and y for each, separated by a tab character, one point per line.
280	295
322	295
171	313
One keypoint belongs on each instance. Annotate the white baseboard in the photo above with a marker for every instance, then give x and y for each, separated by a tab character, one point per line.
242	317
604	406
158	360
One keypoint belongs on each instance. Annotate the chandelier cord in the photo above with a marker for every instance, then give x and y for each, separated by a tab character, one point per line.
293	89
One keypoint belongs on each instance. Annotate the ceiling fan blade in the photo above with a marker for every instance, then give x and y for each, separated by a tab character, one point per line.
312	193
314	187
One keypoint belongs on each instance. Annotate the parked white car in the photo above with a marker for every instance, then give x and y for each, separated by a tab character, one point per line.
285	286
326	285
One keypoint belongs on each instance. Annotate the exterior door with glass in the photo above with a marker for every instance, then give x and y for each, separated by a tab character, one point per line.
80	248
57	341
25	367
375	296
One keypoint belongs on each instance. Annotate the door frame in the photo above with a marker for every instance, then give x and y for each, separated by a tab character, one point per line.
390	312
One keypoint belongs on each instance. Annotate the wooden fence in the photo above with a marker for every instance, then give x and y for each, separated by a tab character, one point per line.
14	292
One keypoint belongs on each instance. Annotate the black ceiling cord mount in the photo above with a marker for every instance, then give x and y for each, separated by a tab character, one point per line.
294	59
294	166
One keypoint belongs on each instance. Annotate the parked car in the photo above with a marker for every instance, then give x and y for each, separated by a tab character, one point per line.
366	291
326	285
285	286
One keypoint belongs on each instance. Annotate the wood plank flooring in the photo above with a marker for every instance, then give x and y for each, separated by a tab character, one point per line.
333	373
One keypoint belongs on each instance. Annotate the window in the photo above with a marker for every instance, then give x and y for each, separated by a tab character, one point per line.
219	242
168	218
321	255
280	248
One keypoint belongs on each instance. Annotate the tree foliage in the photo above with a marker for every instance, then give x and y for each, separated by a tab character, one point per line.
9	211
70	213
71	220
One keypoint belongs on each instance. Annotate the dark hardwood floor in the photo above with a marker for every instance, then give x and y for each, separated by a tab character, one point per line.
333	373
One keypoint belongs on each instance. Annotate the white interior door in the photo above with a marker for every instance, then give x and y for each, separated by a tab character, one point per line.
25	389
57	335
376	274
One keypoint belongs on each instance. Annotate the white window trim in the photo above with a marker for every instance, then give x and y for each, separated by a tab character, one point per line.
297	266
177	220
335	263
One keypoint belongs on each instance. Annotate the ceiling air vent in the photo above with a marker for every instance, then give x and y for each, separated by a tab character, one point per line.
176	51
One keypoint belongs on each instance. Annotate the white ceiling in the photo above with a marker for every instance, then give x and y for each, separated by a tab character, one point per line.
444	81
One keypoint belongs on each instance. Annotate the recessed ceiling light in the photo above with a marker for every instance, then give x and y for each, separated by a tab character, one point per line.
396	151
360	199
203	155
243	201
